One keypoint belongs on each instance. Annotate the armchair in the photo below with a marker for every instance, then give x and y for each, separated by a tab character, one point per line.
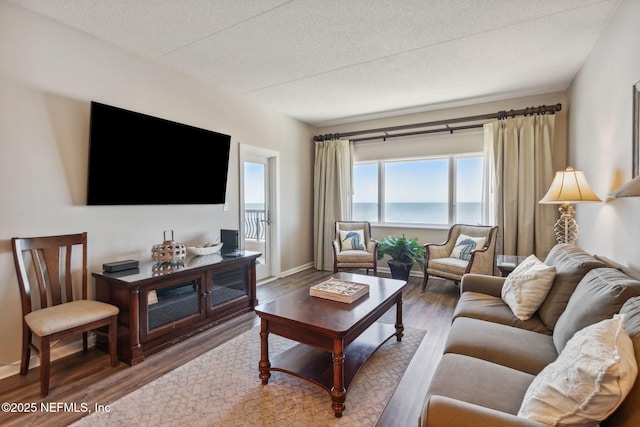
475	252
353	247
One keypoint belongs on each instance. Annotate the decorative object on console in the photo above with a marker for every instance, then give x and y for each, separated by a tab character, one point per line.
568	187
206	249
169	251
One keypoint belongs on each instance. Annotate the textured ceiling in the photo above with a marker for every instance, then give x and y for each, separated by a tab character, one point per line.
331	61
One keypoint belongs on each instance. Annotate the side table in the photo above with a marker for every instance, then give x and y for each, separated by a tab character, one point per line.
507	263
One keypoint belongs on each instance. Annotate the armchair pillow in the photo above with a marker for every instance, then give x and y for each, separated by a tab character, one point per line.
525	289
590	378
465	245
352	240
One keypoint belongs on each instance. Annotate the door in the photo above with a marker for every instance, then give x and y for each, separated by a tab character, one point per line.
258	208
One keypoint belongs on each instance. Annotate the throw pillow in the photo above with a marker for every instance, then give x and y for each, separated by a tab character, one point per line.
352	240
525	289
465	245
587	382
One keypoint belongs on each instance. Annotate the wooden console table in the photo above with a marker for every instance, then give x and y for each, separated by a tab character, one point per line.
163	304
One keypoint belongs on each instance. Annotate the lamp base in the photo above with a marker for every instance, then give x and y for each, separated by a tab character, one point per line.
566	228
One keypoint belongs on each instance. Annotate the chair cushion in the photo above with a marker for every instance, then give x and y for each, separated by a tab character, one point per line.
599	295
448	265
352	240
68	315
465	245
591	377
350	257
527	286
571	263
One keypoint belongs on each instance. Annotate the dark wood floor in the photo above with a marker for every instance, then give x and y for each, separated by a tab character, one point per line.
89	378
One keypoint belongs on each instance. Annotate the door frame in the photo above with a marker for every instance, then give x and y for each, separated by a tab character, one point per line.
273	162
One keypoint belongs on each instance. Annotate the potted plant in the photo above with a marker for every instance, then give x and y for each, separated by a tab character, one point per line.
403	252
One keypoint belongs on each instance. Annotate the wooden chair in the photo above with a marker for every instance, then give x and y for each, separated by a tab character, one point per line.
440	262
57	313
347	257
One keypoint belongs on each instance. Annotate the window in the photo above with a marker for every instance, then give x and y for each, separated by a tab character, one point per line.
365	192
419	191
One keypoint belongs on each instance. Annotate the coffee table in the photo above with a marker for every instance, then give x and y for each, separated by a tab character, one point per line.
336	338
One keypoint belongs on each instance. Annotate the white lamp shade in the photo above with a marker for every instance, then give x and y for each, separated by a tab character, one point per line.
570	186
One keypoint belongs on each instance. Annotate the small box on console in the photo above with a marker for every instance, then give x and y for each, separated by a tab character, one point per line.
114	267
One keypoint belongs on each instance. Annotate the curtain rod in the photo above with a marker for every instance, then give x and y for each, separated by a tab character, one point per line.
500	115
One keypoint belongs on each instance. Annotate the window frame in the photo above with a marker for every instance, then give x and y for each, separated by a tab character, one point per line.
452	201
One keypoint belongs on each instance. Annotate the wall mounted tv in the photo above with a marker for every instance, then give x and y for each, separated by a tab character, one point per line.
136	159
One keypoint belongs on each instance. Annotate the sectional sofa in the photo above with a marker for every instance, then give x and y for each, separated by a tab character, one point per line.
573	361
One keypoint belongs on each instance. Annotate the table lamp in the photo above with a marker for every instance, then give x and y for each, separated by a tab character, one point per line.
569	186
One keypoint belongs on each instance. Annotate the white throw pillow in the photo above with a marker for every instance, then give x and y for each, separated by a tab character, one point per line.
465	245
587	382
352	240
525	289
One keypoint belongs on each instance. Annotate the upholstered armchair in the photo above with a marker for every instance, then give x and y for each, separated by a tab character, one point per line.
353	246
468	249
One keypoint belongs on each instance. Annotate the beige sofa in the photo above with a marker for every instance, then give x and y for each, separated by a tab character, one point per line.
491	357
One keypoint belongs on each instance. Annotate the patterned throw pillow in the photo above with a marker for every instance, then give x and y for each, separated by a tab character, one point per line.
588	381
352	240
465	245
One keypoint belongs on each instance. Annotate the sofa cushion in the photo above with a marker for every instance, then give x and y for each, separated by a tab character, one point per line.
515	348
599	295
527	286
591	377
628	413
480	382
477	305
571	263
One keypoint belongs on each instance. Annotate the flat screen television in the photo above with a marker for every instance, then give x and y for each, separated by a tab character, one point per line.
136	159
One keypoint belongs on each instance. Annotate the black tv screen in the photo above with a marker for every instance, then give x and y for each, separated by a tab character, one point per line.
136	159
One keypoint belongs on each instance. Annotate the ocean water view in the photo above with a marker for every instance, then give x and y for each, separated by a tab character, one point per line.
420	213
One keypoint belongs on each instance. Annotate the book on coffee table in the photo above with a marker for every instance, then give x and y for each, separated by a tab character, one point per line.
339	290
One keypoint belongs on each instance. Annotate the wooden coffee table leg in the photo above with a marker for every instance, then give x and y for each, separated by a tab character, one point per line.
338	392
264	363
399	325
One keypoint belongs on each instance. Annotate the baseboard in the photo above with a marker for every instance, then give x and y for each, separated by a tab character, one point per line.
63	350
296	270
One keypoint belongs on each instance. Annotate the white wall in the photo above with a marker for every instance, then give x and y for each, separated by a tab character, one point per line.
600	137
48	76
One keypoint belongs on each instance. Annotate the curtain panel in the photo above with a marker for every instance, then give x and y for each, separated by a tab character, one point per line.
519	171
332	190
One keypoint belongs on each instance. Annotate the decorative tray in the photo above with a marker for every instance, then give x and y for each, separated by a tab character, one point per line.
339	290
205	250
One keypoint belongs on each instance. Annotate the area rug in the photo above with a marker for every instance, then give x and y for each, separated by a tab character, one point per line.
222	388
